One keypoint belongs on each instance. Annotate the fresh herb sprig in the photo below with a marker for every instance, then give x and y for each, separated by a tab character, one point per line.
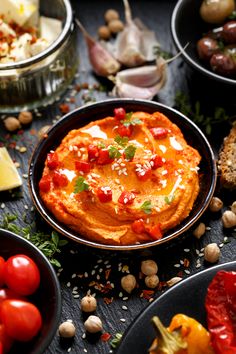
80	185
122	141
159	52
116	340
129	152
114	153
129	121
169	199
147	207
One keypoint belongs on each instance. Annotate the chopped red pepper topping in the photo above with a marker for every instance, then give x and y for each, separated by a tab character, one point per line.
159	132
126	198
59	179
83	166
103	157
45	183
119	113
144	174
156	162
64	108
155	232
52	160
124	130
105	337
138	226
104	194
93	152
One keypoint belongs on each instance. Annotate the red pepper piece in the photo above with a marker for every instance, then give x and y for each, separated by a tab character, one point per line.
93	152
220	305
155	232
105	337
52	160
103	157
82	166
45	184
138	226
59	179
156	162
144	174
159	132
104	194
119	113
126	198
124	130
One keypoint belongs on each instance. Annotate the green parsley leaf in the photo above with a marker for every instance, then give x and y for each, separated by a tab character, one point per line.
101	145
130	152
113	152
122	141
169	199
81	185
116	340
147	207
128	121
162	53
233	16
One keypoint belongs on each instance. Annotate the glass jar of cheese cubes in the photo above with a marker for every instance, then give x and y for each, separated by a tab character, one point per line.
38	52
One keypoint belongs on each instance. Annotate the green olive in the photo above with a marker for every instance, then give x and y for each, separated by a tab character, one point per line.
216	11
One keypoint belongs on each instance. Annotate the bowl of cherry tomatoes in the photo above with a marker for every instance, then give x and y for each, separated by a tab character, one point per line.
30	297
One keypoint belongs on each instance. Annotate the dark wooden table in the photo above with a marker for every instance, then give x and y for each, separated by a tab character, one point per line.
82	268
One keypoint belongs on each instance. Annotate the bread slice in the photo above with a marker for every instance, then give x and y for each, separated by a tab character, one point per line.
227	160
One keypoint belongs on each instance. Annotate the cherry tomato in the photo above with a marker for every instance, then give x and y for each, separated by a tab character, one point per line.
103	158
2	262
93	152
83	166
52	160
155	232
59	179
126	198
104	194
156	162
6	294
5	341
22	274
159	132
21	319
119	113
123	130
45	184
138	226
144	174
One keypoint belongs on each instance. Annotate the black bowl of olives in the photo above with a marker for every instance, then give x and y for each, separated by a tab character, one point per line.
204	31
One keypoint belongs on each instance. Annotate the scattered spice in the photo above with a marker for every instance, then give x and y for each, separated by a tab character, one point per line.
105	337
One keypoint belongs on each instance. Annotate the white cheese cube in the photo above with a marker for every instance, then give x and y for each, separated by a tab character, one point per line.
4	48
37	47
19	11
6	30
21	48
49	28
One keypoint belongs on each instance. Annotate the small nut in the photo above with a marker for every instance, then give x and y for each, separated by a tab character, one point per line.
149	267
25	117
229	219
12	124
128	283
233	207
152	281
200	230
88	303
93	324
104	32
115	26
211	253
110	15
173	281
67	329
42	131
215	205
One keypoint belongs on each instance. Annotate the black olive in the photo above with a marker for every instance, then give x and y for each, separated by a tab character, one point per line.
206	47
223	64
229	32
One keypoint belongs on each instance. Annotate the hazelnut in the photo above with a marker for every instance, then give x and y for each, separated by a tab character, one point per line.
215	205
128	283
211	253
152	281
93	324
229	219
115	26
67	329
104	32
233	207
110	15
88	303
173	281
25	117
149	267
42	131
12	124
200	230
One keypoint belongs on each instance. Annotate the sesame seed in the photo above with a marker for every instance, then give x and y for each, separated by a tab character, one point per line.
73	276
186	250
120	294
181	261
100	270
177	265
99	261
93	272
69	350
25	175
108	266
3	206
125	298
221	245
85	350
68	284
26	207
76	296
201	254
83	336
198	265
187	271
75	288
208	228
98	277
86	275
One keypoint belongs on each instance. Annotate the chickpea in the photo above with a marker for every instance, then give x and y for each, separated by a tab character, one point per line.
67	329
12	124
110	15
104	32
25	117
200	230
128	283
115	26
152	281
229	219
206	47
149	267
88	303
93	324
212	253
216	204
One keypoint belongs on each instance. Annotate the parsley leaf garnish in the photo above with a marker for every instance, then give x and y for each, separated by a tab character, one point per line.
147	207
128	121
122	141
129	152
81	185
113	152
116	340
101	145
169	199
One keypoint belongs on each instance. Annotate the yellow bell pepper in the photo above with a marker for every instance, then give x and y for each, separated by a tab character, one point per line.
184	335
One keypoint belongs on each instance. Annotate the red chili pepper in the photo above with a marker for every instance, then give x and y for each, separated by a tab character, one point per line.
155	232
156	162
220	305
126	198
83	166
103	157
45	184
138	226
124	130
52	160
159	132
144	174
59	179
104	194
105	337
93	152
119	113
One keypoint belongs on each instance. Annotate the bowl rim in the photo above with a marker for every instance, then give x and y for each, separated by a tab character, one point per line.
66	30
55	283
78	238
182	49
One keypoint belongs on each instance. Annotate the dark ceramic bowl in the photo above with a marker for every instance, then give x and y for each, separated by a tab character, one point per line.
86	114
47	298
187	28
